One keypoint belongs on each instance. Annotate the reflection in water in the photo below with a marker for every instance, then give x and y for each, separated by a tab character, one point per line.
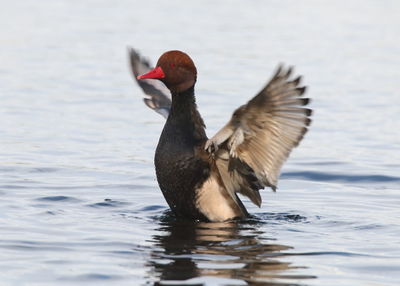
229	250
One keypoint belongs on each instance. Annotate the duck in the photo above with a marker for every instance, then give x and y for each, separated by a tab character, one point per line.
201	177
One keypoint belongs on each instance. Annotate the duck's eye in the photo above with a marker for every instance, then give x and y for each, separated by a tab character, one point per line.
172	66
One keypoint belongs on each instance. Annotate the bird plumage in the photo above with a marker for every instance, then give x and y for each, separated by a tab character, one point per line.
200	177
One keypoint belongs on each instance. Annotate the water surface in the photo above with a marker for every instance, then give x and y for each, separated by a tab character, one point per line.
79	202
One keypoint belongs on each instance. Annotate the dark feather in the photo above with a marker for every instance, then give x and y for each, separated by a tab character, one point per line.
159	96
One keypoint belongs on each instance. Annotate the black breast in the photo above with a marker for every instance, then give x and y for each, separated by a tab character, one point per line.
179	171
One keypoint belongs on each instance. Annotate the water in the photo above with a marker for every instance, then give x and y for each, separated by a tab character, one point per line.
79	201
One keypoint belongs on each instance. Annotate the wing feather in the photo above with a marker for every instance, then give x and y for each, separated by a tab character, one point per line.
158	94
260	136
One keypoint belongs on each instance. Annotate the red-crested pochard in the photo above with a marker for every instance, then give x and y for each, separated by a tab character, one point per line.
200	177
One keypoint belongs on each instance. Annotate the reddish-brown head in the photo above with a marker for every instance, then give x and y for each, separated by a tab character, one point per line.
176	69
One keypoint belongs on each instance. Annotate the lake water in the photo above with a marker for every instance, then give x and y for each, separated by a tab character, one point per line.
79	203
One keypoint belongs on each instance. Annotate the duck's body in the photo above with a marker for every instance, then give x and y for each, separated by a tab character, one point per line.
200	177
185	171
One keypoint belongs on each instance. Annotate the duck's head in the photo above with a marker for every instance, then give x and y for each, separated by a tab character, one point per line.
175	69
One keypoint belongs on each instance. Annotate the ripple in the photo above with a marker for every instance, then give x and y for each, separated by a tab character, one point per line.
7	170
92	277
335	253
99	187
265	218
369	226
108	203
43	170
167	216
58	199
152	208
34	246
330	177
322	163
16	187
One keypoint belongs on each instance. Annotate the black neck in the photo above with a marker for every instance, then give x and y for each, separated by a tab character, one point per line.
184	112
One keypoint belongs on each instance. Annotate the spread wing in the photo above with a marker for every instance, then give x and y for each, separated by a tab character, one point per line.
158	95
251	148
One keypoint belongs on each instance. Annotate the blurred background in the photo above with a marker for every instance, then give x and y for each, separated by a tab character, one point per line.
79	199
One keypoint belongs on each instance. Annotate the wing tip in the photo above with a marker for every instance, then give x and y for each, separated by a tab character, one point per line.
136	60
308	111
297	80
283	72
278	70
305	101
134	55
301	90
256	198
289	72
